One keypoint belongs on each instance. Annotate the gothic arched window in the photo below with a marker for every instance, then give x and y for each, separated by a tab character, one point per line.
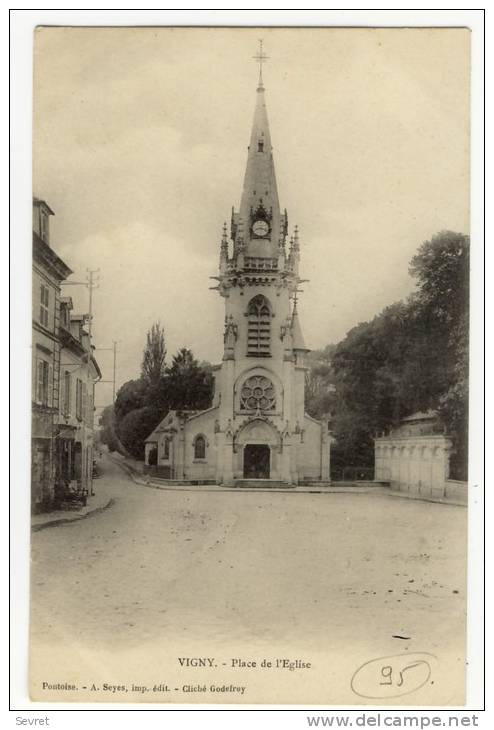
199	447
258	327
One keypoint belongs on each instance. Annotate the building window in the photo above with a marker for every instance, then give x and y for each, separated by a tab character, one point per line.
42	382
260	146
166	448
258	393
199	447
66	393
78	399
258	327
44	305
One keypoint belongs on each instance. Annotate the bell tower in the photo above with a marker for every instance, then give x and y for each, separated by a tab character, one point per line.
261	385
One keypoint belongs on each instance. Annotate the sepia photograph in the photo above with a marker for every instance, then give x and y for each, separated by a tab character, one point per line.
250	365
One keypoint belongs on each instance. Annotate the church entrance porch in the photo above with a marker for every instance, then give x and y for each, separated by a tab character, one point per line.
257	459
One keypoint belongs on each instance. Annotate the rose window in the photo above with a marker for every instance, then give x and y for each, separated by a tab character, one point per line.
258	394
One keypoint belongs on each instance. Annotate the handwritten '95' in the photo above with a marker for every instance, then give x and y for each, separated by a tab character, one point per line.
393	676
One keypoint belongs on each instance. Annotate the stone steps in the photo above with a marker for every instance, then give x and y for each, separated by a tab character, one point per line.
261	484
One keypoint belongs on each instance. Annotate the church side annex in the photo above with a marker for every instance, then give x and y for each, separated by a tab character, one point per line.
257	432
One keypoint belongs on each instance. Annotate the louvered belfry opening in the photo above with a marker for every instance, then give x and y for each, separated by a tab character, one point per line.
259	327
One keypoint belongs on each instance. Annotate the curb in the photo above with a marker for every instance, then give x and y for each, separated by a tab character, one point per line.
76	518
137	478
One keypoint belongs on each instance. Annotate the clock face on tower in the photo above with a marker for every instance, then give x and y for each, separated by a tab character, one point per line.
260	228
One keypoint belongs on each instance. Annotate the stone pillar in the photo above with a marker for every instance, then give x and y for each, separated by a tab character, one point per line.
294	453
226	406
218	445
287	387
180	452
325	446
226	456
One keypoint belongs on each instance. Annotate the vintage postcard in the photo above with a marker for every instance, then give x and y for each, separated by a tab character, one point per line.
250	365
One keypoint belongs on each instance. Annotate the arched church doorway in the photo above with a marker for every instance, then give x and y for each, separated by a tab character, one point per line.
257	461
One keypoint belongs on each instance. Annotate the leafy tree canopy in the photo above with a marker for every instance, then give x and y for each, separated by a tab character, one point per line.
153	359
141	404
413	356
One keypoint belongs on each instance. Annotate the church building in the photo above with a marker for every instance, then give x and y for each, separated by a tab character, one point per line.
257	429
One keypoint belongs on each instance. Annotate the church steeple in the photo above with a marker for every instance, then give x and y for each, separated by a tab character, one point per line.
259	255
259	215
260	192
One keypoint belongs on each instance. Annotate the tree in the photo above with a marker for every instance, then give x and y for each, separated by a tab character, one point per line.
108	435
189	384
442	267
153	360
413	356
131	395
135	427
319	382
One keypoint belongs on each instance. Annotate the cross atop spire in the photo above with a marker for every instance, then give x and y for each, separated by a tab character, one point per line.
260	58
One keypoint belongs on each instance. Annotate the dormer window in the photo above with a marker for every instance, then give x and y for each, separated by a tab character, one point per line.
44	226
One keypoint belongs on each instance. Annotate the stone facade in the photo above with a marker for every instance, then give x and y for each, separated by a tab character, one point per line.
79	372
48	272
257	428
414	457
59	446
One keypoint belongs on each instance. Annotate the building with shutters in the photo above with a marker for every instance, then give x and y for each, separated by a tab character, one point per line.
79	373
257	430
62	364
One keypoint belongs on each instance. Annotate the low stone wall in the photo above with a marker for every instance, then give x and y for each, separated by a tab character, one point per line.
456	490
418	464
162	471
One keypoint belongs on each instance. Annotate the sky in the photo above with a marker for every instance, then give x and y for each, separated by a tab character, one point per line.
140	146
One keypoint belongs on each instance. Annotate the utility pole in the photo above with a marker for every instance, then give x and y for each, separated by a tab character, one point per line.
114	367
92	282
113	349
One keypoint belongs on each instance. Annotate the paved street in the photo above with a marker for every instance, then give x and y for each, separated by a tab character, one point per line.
330	578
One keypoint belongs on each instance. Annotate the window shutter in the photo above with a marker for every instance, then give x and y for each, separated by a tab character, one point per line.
34	394
68	393
50	386
61	394
84	402
77	399
40	383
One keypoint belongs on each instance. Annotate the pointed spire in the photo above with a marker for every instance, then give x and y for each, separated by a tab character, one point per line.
298	338
296	246
224	240
260	192
224	250
260	58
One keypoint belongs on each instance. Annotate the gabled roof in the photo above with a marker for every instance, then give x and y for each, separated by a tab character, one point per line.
170	418
40	202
